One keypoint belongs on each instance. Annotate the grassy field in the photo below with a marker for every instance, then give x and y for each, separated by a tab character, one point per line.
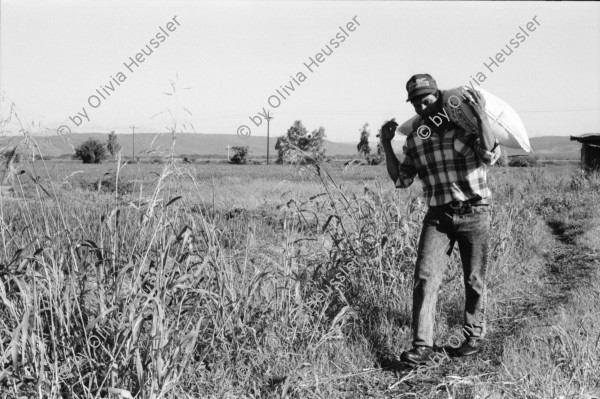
224	281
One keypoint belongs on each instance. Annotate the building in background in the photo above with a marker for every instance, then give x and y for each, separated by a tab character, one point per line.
590	150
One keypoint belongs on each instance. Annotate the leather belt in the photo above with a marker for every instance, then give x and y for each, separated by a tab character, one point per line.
462	207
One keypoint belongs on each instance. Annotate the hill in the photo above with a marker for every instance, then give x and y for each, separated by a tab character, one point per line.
199	144
552	147
149	144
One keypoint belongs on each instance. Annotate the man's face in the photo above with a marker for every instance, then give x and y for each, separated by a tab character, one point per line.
422	102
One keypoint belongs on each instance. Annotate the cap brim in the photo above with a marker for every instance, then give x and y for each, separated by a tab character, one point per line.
420	92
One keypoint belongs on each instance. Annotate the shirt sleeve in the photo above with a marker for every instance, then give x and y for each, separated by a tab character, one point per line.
488	157
407	170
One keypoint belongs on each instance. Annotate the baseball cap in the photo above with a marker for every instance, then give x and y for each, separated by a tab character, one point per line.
420	84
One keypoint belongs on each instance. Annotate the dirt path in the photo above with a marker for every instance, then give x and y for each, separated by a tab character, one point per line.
572	264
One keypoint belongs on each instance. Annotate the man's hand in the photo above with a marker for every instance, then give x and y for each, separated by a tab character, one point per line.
477	102
388	130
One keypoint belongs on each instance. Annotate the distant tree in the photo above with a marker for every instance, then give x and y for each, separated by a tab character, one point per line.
8	158
91	151
316	146
112	145
379	157
380	151
299	145
282	146
240	155
297	130
523	161
363	145
9	155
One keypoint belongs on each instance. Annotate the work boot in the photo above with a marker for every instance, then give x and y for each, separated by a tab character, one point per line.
419	355
470	347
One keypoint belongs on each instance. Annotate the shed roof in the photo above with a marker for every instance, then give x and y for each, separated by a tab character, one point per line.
589	138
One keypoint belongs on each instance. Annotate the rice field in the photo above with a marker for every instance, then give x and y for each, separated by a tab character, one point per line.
224	281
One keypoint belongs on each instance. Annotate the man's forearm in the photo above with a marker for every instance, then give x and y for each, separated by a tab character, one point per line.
391	160
488	151
488	140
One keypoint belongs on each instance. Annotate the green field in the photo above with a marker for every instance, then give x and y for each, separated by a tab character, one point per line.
254	281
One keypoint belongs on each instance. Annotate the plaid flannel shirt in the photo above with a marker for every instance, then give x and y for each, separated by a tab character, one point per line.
451	166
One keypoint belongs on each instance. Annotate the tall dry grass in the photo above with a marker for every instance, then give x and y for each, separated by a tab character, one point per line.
162	293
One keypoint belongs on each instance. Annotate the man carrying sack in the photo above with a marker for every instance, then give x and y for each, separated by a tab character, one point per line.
452	166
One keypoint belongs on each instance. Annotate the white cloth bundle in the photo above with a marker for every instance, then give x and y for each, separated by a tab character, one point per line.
505	123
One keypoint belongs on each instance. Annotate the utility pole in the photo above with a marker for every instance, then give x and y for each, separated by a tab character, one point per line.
269	117
133	139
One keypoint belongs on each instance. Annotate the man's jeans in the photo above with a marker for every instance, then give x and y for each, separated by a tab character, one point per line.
440	230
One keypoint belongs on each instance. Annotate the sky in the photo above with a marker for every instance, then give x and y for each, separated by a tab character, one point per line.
223	64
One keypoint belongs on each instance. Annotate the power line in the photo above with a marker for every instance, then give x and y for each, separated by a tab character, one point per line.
559	110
